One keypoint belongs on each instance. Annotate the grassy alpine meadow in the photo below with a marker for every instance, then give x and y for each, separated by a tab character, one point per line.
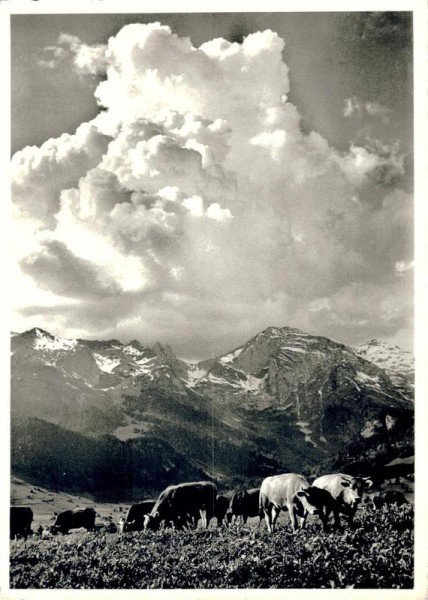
377	553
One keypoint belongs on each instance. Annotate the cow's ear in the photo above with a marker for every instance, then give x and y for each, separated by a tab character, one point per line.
345	483
302	493
368	482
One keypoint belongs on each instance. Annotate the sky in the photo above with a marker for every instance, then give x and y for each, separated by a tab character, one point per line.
195	178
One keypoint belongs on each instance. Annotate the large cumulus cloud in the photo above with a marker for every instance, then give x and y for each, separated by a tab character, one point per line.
194	209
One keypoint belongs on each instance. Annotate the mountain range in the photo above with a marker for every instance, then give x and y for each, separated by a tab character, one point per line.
283	401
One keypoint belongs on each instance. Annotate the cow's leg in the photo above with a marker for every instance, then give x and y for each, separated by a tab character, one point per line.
293	517
267	509
351	518
190	521
275	513
203	513
336	519
324	515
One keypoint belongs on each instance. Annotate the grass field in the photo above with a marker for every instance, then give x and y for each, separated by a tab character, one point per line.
378	553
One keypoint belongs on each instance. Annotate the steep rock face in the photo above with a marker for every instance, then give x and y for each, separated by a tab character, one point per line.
79	384
325	385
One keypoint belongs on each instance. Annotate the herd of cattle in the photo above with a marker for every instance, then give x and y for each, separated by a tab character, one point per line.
182	505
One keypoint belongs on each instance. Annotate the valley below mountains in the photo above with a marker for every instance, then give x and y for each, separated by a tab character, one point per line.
121	421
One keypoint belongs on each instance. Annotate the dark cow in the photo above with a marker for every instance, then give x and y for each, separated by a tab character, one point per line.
178	503
281	492
346	490
221	509
21	518
321	500
245	504
134	519
379	499
73	519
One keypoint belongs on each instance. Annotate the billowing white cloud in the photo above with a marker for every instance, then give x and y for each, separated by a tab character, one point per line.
87	59
195	210
39	174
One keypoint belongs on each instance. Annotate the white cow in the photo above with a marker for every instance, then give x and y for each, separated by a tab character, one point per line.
346	490
286	492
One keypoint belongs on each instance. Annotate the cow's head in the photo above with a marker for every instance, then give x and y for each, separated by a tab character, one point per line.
237	500
309	500
152	521
46	531
354	488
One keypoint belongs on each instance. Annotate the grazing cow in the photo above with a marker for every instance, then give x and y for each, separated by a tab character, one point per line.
346	490
179	502
281	492
221	510
21	518
73	519
322	500
245	504
134	520
379	499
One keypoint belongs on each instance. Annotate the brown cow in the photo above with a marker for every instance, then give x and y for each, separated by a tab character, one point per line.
21	518
74	519
245	504
134	519
178	503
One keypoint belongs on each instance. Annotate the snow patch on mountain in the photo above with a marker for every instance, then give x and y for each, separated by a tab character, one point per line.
367	379
230	357
294	349
105	363
303	427
194	375
252	384
145	361
387	356
52	343
219	380
132	351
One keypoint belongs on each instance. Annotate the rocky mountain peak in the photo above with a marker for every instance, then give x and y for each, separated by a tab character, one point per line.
136	344
274	331
102	344
37	332
162	350
281	395
48	342
389	357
